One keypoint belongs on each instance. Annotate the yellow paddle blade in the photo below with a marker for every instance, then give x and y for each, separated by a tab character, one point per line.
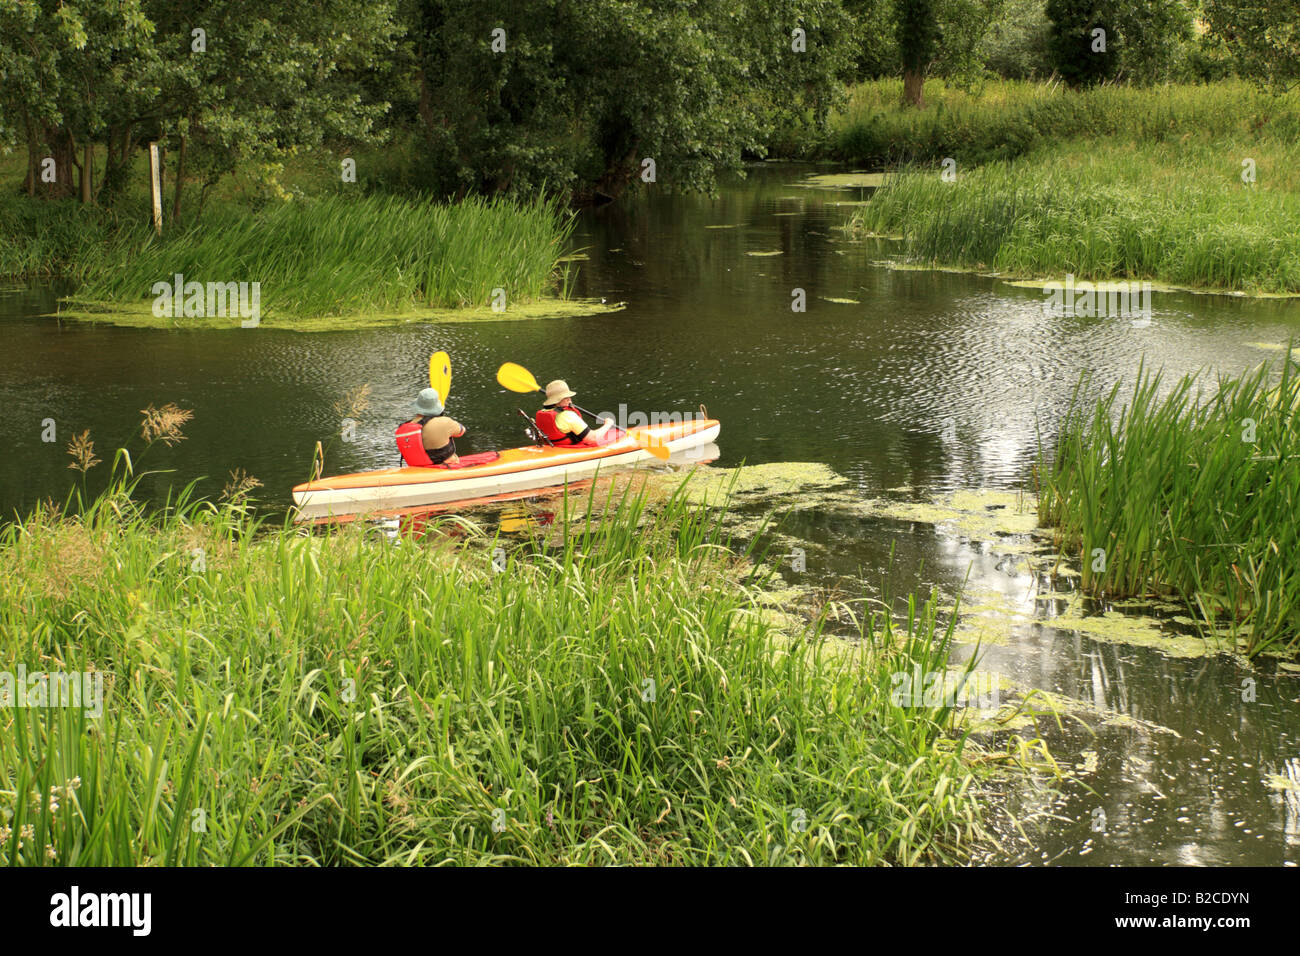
440	374
653	445
517	378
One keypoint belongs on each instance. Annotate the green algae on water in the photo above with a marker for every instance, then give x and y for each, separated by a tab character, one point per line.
1108	285
858	180
1007	519
988	515
770	481
141	316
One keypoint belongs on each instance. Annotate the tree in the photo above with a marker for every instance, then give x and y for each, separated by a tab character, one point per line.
1092	41
1263	37
1080	45
246	89
874	50
514	94
243	91
68	71
1015	46
1151	35
917	30
963	25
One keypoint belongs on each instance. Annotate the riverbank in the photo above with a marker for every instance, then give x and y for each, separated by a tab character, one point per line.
372	258
619	696
1190	186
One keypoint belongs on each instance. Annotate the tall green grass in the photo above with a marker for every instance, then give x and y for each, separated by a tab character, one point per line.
319	257
1006	119
1112	182
1187	495
1176	214
339	699
47	240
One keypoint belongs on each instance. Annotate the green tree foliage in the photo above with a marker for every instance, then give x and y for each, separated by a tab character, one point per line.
1141	40
916	28
964	24
875	45
1263	37
77	74
69	72
1078	52
1152	37
577	95
1015	45
249	90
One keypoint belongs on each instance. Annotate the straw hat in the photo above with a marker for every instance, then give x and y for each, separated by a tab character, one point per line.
557	391
428	402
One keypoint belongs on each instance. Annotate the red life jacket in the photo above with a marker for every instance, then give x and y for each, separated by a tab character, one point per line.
546	422
410	442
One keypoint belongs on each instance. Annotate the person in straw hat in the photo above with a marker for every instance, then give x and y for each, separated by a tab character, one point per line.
560	421
428	439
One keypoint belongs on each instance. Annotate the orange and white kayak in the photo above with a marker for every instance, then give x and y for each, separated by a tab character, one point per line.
491	474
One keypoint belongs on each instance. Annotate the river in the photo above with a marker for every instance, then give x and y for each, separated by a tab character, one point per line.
920	380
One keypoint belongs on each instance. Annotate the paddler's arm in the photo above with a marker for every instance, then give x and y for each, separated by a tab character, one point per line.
433	426
571	423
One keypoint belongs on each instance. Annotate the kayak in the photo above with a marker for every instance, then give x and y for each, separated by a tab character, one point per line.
492	474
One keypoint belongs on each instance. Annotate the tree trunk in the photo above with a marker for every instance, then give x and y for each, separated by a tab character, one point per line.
913	86
60	146
87	169
118	150
180	184
31	163
425	108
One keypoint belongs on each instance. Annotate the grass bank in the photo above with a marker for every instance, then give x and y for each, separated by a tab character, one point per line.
277	698
328	256
1009	118
1113	183
1190	496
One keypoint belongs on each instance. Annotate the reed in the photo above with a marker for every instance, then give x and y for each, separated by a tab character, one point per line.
320	257
1008	118
1175	214
336	698
1187	494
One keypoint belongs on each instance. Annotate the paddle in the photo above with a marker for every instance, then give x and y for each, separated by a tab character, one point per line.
519	379
440	375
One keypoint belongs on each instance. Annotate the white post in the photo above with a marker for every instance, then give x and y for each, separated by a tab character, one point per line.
156	188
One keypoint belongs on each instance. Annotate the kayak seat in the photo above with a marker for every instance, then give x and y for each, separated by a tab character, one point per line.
469	461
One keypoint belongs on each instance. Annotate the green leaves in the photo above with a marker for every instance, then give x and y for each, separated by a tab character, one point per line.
583	93
1263	37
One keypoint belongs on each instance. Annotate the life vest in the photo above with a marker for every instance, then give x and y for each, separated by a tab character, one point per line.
546	422
410	442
